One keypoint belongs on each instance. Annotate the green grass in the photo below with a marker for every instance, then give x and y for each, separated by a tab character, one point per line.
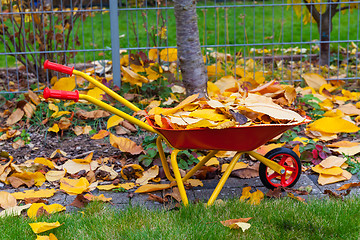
247	25
272	219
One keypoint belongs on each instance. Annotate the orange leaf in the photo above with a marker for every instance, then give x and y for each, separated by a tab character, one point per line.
125	145
100	135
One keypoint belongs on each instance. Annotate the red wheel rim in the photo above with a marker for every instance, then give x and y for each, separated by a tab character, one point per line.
291	171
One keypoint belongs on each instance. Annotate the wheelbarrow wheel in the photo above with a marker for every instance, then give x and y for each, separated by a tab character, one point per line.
286	158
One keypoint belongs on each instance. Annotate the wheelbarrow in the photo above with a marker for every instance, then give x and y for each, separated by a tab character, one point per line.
280	167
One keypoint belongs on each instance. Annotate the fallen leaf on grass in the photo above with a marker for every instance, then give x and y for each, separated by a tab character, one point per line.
14	211
43	193
50	237
33	211
74	186
300	199
7	200
252	198
40	227
125	145
237	223
348	185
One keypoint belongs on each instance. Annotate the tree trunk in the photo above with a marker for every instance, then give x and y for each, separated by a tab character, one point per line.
192	65
324	31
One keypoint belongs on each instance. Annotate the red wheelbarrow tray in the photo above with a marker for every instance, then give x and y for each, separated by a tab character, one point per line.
240	139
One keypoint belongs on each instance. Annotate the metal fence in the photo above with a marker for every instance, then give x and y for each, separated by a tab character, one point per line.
278	38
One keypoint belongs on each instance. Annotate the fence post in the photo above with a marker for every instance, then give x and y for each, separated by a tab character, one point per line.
115	43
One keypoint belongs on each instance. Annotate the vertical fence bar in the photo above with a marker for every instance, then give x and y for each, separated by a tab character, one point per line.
115	42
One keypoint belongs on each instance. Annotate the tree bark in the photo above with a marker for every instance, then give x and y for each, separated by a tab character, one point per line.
324	32
192	65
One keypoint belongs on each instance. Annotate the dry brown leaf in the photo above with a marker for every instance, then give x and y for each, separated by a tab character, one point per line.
152	187
15	117
29	109
155	198
249	172
348	185
337	195
17	182
343	144
92	115
232	221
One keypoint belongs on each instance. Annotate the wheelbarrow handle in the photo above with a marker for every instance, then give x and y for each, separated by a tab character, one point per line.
58	67
59	94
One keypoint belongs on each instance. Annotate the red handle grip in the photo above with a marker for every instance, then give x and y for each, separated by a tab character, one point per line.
59	94
58	67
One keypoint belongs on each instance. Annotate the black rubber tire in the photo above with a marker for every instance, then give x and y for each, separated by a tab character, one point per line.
272	155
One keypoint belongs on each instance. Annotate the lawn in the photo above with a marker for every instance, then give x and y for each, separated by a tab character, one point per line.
233	27
272	219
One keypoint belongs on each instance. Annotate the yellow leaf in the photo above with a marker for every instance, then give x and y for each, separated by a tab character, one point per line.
96	93
194	182
40	227
275	112
74	186
303	140
43	193
333	125
133	77
87	159
212	89
101	197
256	197
52	176
332	161
182	104
109	187
238	165
168	54
215	70
227	83
153	54
44	162
33	210
149	174
328	171
125	144
58	151
73	167
38	177
7	200
66	84
100	135
245	193
334	113
114	121
328	179
54	128
152	188
209	114
314	80
59	114
211	162
350	151
201	124
50	237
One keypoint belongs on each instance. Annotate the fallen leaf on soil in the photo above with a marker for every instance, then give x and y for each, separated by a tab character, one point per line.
238	165
348	185
152	188
332	161
32	212
109	171
155	198
7	200
343	144
43	193
113	121
86	160
211	162
148	175
52	176
100	135
73	167
126	186
53	154
337	195
40	227
17	182
44	162
18	144
328	171
15	117
14	211
92	115
38	177
125	145
55	128
350	151
131	171
74	186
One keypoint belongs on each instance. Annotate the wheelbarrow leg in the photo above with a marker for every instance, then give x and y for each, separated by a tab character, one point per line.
178	178
163	158
224	178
